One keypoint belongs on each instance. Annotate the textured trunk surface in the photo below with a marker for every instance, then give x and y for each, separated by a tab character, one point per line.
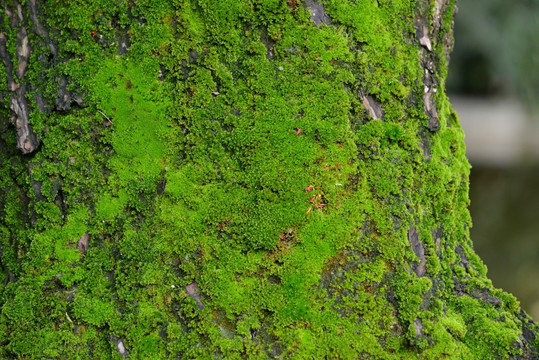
238	179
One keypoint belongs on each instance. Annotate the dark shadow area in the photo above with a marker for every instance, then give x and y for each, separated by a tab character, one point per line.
505	232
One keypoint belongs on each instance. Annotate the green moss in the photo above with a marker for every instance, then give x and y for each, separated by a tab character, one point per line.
229	151
454	323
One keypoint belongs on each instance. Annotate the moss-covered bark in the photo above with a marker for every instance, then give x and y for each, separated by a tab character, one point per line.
239	179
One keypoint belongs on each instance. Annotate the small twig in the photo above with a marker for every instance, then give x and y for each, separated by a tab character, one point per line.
102	113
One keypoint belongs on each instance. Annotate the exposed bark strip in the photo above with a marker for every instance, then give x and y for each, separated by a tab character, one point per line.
39	29
27	141
428	29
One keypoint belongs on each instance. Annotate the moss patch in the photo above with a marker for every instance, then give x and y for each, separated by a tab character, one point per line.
240	199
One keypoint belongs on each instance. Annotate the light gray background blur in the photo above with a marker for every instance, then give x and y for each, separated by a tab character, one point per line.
494	86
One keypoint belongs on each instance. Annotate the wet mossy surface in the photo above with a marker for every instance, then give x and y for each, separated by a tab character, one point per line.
238	198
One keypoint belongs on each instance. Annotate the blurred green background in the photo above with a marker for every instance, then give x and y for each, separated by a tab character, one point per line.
494	85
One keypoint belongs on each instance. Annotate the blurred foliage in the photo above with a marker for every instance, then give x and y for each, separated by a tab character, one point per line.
496	51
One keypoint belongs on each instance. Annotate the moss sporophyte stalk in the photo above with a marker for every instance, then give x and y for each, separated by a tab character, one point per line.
239	180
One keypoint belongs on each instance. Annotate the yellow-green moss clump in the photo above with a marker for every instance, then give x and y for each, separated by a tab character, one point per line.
244	179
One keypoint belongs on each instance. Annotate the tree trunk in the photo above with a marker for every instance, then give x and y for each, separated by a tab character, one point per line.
239	179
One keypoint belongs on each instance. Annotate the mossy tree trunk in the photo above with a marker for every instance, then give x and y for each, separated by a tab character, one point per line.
238	179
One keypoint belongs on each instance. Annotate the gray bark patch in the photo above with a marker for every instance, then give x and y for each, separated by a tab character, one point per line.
418	325
23	52
424	144
120	346
464	262
26	139
429	105
124	42
318	12
486	297
63	101
419	251
269	44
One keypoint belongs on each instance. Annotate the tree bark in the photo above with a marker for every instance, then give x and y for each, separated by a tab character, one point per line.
240	179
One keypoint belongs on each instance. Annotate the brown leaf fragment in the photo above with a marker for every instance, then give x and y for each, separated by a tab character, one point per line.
193	290
83	243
